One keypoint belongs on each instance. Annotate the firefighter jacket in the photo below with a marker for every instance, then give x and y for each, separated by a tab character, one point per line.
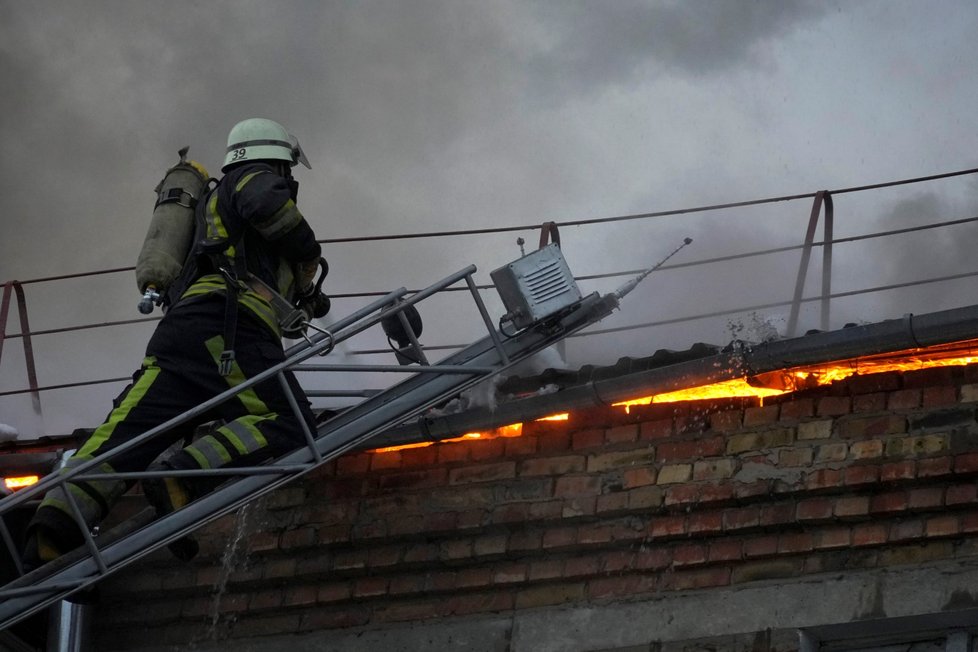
251	224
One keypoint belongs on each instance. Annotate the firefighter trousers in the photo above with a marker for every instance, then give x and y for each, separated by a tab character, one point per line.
179	372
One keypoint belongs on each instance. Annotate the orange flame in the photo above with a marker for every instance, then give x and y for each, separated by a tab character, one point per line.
798	378
775	383
20	482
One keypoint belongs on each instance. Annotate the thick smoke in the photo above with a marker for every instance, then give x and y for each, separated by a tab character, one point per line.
435	115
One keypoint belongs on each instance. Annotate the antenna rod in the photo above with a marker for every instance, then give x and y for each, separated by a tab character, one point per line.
630	285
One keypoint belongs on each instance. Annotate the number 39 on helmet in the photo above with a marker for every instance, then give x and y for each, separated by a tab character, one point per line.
260	139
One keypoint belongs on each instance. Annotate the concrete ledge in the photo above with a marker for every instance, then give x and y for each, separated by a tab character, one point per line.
827	606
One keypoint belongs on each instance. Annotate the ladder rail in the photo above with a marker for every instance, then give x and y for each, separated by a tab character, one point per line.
409	398
298	353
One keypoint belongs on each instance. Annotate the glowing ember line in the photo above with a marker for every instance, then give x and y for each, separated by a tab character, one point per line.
20	482
775	383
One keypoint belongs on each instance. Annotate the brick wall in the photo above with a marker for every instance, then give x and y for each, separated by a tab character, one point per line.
873	472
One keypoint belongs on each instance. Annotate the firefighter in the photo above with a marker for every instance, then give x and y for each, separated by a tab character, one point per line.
221	329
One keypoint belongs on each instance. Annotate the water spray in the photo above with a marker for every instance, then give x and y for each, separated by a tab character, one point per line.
630	285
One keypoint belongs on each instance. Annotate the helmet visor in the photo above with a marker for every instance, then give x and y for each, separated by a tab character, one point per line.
298	156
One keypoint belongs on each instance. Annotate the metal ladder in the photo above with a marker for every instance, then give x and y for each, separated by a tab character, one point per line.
429	385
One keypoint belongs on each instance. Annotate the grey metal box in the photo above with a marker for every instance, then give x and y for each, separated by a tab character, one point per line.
536	286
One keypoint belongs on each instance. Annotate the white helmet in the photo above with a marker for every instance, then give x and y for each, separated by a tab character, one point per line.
258	139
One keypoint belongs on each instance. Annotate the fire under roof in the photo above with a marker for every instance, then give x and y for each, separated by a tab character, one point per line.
945	337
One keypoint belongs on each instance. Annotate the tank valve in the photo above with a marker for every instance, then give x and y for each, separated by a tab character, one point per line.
149	299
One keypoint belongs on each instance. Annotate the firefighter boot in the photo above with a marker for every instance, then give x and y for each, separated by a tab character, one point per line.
167	495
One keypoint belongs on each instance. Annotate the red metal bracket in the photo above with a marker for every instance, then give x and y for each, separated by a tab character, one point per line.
9	288
821	197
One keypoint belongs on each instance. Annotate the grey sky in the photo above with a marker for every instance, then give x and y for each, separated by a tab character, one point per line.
423	115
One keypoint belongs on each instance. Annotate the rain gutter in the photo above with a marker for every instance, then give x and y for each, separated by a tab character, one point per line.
738	361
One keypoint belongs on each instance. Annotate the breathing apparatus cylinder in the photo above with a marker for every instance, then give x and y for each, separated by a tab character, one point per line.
171	230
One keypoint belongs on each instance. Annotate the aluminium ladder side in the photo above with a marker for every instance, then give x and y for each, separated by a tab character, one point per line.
429	385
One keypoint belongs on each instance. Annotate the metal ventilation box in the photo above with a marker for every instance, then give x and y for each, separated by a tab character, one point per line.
536	286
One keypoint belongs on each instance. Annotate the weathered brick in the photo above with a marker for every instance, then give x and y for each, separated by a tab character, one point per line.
611	502
929	377
560	537
482	473
823	479
851	506
689	554
961	494
925	498
365	587
602	588
690	450
906	530
700	522
718	469
682	494
725	550
667	525
551	594
862	403
761	546
795	542
934	467
471	603
966	463
831	406
821	429
766	570
658	429
761	415
875	426
894	471
577	485
790	457
620	459
685	580
624	433
561	465
895	501
797	408
861	475
741	517
545	569
869	449
509	573
674	473
869	534
727	420
655	558
835	537
969	393
904	399
777	514
645	497
578	506
640	477
756	441
942	526
815	509
831	452
334	592
584	439
934	397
